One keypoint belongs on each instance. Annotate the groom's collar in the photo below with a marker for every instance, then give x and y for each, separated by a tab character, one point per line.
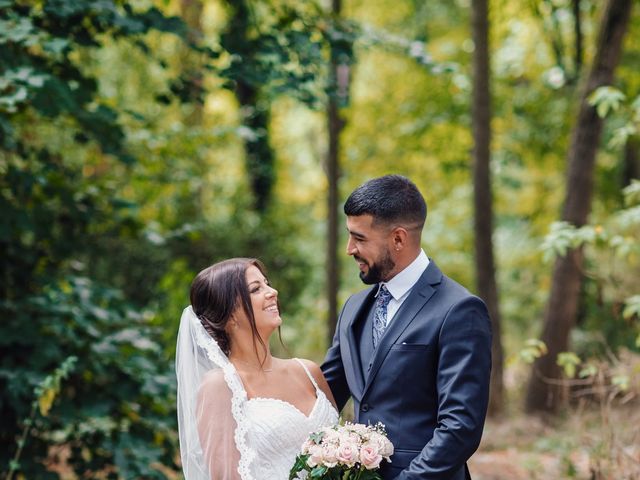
401	283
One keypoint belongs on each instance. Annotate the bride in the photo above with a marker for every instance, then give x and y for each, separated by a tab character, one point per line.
242	413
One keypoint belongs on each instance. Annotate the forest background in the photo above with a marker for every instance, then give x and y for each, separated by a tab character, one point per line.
141	141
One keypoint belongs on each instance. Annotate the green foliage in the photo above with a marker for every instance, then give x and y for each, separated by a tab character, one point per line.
41	70
563	237
632	307
122	174
115	411
606	99
569	362
612	249
49	388
129	427
278	48
627	125
45	394
533	348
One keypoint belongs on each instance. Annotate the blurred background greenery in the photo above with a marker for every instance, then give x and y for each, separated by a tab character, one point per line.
143	140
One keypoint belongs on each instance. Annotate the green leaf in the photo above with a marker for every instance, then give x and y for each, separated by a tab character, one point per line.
606	99
562	236
533	349
589	370
318	471
632	192
568	361
621	135
632	307
621	382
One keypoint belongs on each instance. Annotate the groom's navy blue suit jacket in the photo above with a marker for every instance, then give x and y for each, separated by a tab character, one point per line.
428	379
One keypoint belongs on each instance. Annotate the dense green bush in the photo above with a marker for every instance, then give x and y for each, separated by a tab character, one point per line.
116	408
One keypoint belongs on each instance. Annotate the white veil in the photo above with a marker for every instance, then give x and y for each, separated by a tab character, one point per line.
211	401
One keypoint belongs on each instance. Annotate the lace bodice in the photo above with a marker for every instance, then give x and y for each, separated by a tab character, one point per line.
276	430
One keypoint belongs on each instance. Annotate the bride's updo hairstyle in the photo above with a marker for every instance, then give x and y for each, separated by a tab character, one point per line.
218	291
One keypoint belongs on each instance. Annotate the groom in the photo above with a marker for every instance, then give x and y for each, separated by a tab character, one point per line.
414	349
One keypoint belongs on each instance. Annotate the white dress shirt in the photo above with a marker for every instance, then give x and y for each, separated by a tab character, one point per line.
400	286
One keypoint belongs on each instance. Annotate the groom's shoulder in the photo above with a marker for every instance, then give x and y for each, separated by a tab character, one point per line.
448	289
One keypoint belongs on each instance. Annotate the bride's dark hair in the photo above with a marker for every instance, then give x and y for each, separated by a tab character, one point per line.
216	293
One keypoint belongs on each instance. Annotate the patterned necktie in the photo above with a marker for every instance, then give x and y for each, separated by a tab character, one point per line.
380	315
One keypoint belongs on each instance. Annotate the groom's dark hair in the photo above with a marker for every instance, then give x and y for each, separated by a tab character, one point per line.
389	199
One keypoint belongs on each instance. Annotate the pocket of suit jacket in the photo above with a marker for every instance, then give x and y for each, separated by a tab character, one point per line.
409	346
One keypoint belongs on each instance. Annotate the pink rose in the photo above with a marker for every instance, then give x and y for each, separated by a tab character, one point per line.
370	457
329	455
347	454
315	456
385	447
331	436
306	446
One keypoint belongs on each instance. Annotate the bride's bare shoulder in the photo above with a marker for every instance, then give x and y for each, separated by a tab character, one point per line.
213	379
318	376
312	366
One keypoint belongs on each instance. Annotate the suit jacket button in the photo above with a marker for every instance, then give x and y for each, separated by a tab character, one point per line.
364	407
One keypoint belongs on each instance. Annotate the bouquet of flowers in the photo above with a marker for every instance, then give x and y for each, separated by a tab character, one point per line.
343	452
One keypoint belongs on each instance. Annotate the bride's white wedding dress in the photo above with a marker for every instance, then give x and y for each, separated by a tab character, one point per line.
224	435
276	430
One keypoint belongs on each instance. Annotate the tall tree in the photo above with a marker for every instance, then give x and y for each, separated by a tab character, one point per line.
334	124
191	14
577	30
560	317
631	161
482	198
339	72
239	40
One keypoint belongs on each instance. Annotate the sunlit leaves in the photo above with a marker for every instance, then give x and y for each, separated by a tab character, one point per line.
533	348
621	382
279	51
606	99
16	85
49	388
39	70
632	307
569	362
588	370
617	234
563	237
632	193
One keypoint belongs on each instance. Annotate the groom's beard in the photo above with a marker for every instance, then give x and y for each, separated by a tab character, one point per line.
378	271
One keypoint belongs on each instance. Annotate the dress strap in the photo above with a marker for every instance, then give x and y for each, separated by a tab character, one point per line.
313	380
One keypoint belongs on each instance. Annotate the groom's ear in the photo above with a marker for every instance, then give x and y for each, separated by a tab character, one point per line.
399	238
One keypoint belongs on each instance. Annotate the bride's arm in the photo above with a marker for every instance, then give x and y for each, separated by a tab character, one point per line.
216	427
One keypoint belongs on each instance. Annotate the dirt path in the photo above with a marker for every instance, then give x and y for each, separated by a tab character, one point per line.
515	465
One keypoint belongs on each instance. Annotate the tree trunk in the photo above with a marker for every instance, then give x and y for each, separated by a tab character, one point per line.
191	12
255	112
482	198
560	316
258	153
577	31
333	169
631	161
339	86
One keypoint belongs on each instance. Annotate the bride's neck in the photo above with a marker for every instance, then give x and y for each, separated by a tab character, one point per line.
248	358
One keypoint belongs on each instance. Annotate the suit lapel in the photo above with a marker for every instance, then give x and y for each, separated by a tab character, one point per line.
355	312
421	293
